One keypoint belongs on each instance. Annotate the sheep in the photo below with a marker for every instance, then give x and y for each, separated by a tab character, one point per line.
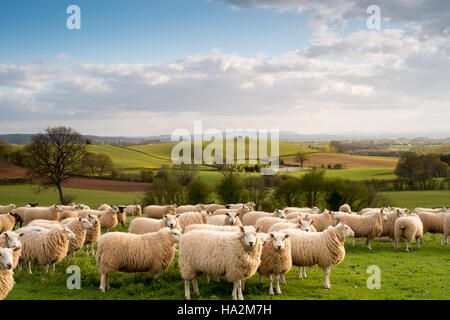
321	221
11	240
368	227
21	212
213	227
265	223
294	215
150	252
51	213
189	218
235	255
276	258
157	212
82	207
197	208
146	225
313	210
122	215
345	208
434	210
133	210
72	207
250	205
92	234
408	228
325	249
46	246
432	222
228	219
210	208
79	227
68	214
446	228
7	209
104	207
244	209
108	218
8	221
6	273
251	217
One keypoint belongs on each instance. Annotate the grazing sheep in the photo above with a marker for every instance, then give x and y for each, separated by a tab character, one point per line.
321	221
243	210
408	228
276	259
432	222
52	213
104	207
150	252
345	208
210	208
68	215
265	223
189	208
324	249
368	227
157	212
72	207
235	255
250	205
122	215
11	240
6	273
8	221
147	225
92	234
446	228
79	227
45	247
7	209
212	227
250	218
133	210
228	219
189	218
108	218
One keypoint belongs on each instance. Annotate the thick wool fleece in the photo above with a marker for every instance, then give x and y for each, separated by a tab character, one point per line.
446	228
275	261
223	220
364	226
158	212
133	210
93	234
324	249
125	252
6	282
345	208
389	225
7	209
7	222
44	247
108	220
321	221
250	218
213	227
4	244
408	228
432	222
147	225
218	253
76	226
213	207
68	215
190	218
36	213
266	222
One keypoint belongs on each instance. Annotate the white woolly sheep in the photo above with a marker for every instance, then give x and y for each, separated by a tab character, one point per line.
235	255
108	218
228	219
93	234
210	208
324	249
189	208
432	222
150	252
243	210
52	213
345	208
188	218
104	207
408	228
250	205
8	221
6	273
45	246
146	225
250	218
79	227
265	223
446	228
7	209
11	240
157	212
133	210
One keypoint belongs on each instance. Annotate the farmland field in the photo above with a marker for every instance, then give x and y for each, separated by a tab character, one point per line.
348	161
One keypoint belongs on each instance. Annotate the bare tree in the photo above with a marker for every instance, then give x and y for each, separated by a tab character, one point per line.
104	163
55	156
301	157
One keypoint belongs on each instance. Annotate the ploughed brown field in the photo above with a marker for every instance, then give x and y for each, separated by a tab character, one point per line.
347	161
83	183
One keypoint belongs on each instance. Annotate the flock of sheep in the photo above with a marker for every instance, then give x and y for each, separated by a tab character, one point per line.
232	241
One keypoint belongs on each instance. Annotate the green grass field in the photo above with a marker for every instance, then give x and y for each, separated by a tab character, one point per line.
353	174
423	199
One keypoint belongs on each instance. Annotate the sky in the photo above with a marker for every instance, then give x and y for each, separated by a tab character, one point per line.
141	68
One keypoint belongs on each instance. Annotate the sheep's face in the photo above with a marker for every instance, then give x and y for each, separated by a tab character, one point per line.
279	240
263	237
13	240
345	230
249	236
231	217
305	225
93	219
115	210
246	209
17	217
6	258
171	220
56	208
383	215
12	206
86	223
176	235
70	235
280	214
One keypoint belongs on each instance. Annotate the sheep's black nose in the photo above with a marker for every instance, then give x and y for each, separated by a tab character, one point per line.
279	247
9	266
251	244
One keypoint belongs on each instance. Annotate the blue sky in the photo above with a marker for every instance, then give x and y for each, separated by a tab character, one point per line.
141	67
142	31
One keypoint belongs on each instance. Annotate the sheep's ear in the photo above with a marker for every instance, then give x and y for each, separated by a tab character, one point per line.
227	214
165	216
286	236
6	235
258	229
242	229
272	235
21	235
177	215
237	214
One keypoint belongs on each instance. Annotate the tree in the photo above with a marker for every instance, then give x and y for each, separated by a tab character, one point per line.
313	186
198	191
55	156
104	163
231	189
301	157
89	163
289	192
257	190
5	153
409	166
337	146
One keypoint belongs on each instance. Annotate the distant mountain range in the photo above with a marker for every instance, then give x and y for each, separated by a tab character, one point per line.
19	138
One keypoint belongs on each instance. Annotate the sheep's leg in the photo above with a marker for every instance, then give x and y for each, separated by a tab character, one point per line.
195	285
444	239
353	241
300	273
243	285
208	278
53	267
93	249
240	296
283	280
278	290
260	279
418	243
393	243
29	267
270	285
218	278
304	273
187	290
361	241
86	248
46	268
408	245
103	283
233	294
326	272
368	243
156	276
19	266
